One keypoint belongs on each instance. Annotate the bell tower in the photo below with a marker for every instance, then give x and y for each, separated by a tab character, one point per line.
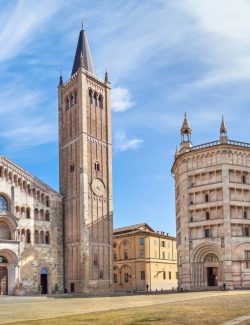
85	154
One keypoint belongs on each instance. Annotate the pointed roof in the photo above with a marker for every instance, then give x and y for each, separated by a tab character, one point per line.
83	47
223	128
185	125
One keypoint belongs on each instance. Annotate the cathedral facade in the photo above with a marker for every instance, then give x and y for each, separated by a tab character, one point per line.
62	242
31	233
212	186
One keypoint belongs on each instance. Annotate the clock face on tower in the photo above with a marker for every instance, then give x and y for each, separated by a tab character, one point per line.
98	187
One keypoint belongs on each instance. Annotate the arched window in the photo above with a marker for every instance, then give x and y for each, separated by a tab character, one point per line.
47	202
36	237
23	235
47	216
15	179
71	100
36	214
67	103
23	212
97	166
42	215
28	236
42	237
28	213
47	238
95	99
100	101
90	96
3	205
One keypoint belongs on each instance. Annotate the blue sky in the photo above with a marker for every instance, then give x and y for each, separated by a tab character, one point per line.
164	58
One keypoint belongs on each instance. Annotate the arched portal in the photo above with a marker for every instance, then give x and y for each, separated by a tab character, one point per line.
44	273
206	266
8	271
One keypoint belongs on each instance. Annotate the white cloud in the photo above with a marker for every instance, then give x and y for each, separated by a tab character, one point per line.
33	134
123	143
23	23
23	125
221	29
121	99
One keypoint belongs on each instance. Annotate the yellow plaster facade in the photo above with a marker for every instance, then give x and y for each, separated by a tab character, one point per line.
144	257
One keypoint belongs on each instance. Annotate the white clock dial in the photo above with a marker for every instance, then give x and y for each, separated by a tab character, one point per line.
98	187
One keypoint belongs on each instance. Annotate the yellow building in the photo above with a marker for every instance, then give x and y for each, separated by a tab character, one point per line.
144	257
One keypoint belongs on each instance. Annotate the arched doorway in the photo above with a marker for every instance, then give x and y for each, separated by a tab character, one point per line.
3	276
44	280
211	265
8	271
206	266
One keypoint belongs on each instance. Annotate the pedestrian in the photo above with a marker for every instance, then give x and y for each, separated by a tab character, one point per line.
224	286
147	286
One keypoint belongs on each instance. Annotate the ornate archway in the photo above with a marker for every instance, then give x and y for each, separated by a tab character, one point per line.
8	271
206	266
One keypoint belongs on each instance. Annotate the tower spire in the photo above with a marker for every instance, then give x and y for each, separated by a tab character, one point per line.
61	79
83	47
223	131
106	79
223	128
185	133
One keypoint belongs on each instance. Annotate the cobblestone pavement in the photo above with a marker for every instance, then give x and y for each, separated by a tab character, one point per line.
39	307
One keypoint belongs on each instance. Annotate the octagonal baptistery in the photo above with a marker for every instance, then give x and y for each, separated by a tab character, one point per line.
212	186
31	242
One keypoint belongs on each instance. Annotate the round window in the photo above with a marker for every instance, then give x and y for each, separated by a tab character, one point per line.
3	205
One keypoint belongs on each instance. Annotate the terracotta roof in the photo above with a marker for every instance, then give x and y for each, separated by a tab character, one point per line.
132	228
